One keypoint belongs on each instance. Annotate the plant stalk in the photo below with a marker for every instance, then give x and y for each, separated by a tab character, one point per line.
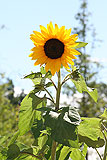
105	151
58	91
98	154
54	144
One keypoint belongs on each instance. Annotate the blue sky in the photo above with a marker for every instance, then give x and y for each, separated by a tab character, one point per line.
21	17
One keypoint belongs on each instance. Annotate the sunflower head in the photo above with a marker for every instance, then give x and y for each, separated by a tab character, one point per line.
53	47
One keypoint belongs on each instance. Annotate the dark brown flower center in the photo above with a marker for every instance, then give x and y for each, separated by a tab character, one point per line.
54	48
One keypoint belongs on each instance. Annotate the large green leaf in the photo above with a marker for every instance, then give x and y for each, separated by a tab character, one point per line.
63	130
13	139
3	139
42	141
35	77
84	151
64	152
82	87
89	131
76	154
80	44
37	127
27	112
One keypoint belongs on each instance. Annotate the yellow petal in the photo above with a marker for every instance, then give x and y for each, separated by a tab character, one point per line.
36	56
64	63
57	64
56	29
44	31
41	60
37	49
74	51
69	60
50	28
61	34
36	40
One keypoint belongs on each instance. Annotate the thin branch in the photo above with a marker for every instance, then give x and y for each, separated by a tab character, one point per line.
49	94
104	127
31	155
105	150
65	81
50	100
98	153
53	84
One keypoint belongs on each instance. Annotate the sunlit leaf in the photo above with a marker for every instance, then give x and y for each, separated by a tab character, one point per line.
35	77
3	153
64	152
80	44
89	131
104	115
84	151
42	140
82	87
76	154
13	139
27	112
42	70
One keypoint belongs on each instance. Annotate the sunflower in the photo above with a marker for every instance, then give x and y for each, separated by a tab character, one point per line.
53	47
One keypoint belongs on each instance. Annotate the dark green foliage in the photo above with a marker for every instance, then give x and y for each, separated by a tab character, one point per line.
13	152
63	130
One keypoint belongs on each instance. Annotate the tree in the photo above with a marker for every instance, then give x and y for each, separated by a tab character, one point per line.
9	108
88	68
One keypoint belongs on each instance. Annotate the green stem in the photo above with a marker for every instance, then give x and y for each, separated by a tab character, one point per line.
50	100
54	144
98	153
49	94
65	79
53	151
31	155
53	83
58	91
105	151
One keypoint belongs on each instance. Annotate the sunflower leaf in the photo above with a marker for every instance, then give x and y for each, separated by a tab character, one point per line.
76	154
63	130
49	84
80	44
28	113
13	139
104	115
82	87
35	77
37	127
42	70
64	152
90	133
